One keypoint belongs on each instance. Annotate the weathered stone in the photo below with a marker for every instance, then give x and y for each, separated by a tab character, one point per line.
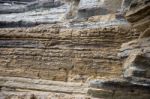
89	8
125	5
108	17
18	6
135	79
138	15
118	88
136	66
15	87
59	53
59	60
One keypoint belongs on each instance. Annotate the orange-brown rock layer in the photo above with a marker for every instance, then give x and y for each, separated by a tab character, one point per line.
61	54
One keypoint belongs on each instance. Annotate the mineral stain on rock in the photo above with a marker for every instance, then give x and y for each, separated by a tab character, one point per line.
74	49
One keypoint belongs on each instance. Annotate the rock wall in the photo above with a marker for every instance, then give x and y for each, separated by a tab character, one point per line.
125	5
134	82
61	54
138	15
20	6
79	58
136	66
88	8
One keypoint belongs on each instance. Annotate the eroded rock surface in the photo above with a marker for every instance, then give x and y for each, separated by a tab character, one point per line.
18	6
139	16
59	10
26	88
134	82
61	54
77	55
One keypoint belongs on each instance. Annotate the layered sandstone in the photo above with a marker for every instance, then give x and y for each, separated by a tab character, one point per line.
139	16
79	54
61	54
134	82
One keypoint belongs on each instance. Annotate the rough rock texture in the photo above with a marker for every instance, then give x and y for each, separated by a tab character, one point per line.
78	57
61	54
136	66
135	82
87	8
33	17
118	89
26	88
72	11
139	16
125	5
18	6
76	9
135	79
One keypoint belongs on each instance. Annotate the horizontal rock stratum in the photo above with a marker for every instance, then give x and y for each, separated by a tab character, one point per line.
74	49
61	54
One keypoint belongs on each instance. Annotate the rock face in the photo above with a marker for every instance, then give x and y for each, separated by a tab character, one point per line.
125	5
87	8
18	6
135	82
13	88
61	54
139	15
58	54
33	17
57	11
136	66
77	55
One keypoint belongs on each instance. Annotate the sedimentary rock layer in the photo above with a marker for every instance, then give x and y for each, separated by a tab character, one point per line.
26	88
139	16
135	82
61	54
19	6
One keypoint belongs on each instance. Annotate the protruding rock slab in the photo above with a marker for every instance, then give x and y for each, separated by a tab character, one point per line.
89	8
19	6
118	89
42	85
26	88
139	16
135	82
137	64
